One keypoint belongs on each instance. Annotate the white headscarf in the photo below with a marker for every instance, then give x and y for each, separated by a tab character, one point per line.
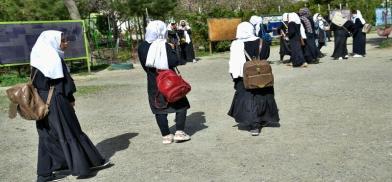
293	17
320	23
315	17
237	53
46	54
156	35
285	17
186	28
256	21
359	16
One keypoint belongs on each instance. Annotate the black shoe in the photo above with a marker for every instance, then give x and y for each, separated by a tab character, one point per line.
105	165
53	177
62	171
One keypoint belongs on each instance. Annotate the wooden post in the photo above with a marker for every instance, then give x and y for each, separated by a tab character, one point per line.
210	48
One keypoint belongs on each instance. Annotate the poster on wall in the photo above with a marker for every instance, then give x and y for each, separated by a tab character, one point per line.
383	15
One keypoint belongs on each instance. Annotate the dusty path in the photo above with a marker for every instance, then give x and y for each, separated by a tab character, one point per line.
336	126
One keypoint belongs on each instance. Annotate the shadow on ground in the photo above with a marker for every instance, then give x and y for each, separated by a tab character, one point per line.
375	41
195	122
110	146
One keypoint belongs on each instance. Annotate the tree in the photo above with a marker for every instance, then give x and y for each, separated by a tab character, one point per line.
72	9
29	10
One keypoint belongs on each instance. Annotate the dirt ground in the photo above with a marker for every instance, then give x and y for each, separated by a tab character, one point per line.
335	126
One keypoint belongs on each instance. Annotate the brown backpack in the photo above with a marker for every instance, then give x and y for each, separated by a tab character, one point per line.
27	102
257	73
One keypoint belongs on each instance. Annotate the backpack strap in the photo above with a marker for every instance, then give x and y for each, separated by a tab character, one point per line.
50	94
31	72
247	55
258	55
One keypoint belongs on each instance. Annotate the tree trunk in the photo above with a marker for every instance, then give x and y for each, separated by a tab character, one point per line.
72	9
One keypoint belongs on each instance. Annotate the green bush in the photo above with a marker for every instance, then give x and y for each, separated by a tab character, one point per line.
10	79
386	43
223	46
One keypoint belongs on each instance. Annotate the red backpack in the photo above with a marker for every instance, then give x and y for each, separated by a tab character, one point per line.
171	85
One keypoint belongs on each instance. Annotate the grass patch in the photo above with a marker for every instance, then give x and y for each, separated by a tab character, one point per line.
82	69
9	79
386	43
202	53
4	102
87	90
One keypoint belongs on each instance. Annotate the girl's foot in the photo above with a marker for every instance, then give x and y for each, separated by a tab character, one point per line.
52	177
181	136
357	56
168	139
255	132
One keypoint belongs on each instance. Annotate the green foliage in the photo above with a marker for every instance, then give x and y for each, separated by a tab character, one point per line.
102	24
87	90
9	79
387	43
4	102
223	46
367	7
28	10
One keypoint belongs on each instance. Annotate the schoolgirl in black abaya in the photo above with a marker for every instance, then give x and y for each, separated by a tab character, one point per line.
256	108
261	29
320	27
297	58
359	38
284	39
311	52
156	54
62	143
186	43
340	26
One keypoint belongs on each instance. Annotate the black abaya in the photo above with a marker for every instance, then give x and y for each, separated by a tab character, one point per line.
187	51
359	38
340	39
311	52
174	39
284	44
157	101
62	143
253	108
297	57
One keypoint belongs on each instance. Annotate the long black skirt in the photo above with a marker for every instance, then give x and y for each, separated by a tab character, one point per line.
265	50
284	47
187	52
311	52
340	49
359	43
297	57
250	108
62	143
